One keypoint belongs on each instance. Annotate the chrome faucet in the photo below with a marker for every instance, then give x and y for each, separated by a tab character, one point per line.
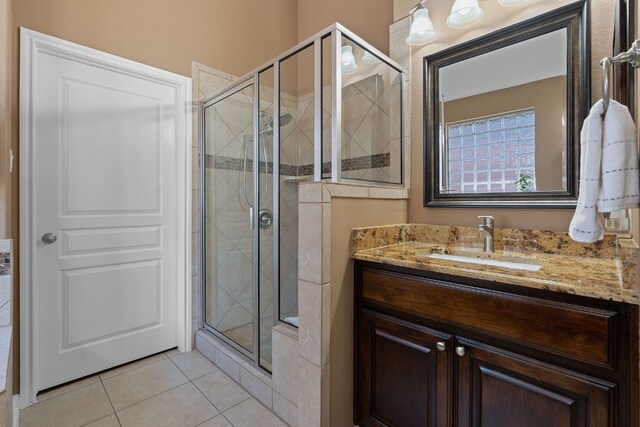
487	230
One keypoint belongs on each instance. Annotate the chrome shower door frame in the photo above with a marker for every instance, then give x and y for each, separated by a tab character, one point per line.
337	32
253	218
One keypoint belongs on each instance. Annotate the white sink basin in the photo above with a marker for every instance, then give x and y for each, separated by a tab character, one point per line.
484	261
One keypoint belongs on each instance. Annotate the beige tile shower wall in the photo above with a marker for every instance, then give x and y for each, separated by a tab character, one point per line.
325	340
290	159
304	142
400	52
496	17
370	104
288	248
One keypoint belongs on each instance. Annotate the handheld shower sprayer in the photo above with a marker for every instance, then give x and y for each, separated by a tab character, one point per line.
265	129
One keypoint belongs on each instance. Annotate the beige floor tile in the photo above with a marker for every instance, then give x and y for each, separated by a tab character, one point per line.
221	390
181	406
251	413
66	388
131	366
110	421
193	364
134	386
172	352
76	408
219	421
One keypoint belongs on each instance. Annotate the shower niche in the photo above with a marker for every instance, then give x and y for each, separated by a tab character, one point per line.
328	109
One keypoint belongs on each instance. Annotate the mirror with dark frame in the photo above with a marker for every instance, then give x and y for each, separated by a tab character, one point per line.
503	114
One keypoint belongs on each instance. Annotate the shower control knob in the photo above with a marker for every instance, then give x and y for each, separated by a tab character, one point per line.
49	238
265	217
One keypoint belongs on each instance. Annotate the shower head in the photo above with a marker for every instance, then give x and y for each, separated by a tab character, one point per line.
285	119
267	122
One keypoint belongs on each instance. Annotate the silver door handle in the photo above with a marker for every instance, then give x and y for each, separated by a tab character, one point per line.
49	238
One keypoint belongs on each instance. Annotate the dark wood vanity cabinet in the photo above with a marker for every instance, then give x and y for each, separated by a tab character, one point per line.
405	378
441	351
498	389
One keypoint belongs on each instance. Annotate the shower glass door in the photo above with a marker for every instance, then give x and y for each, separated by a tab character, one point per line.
228	196
237	220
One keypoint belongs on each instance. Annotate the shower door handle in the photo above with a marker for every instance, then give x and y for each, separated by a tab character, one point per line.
251	218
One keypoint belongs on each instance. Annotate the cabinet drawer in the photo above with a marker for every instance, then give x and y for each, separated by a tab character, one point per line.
575	331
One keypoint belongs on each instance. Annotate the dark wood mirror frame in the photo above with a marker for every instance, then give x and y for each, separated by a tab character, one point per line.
623	38
575	19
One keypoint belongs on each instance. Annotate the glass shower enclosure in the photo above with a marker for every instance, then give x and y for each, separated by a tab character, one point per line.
301	117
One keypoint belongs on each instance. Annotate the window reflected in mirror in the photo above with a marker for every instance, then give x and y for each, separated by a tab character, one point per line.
491	154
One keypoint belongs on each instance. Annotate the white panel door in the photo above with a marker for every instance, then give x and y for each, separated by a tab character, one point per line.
105	151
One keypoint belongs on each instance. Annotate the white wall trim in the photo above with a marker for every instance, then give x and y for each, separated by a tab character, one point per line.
15	410
31	44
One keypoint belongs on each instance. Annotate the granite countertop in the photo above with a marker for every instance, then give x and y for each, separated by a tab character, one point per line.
601	271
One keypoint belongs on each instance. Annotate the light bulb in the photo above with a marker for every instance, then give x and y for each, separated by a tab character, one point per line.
464	13
421	30
347	60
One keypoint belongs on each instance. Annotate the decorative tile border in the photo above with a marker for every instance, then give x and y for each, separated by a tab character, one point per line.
352	164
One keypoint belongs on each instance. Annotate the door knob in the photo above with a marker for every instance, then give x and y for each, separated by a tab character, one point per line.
460	351
440	345
49	238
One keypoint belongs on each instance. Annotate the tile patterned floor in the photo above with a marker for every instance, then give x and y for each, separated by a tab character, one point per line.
170	389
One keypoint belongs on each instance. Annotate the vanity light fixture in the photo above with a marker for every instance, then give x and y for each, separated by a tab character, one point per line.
511	3
347	60
421	31
464	13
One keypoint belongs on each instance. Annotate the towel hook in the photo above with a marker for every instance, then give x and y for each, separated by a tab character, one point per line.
632	56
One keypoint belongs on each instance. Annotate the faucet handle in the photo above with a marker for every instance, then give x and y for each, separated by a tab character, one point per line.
488	219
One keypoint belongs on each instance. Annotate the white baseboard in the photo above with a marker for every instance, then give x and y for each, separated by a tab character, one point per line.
15	410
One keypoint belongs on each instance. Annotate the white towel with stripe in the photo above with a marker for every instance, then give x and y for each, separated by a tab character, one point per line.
609	179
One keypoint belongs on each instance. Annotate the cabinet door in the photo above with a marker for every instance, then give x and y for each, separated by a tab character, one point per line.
500	389
403	374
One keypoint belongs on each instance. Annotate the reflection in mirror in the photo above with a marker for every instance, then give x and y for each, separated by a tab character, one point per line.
503	114
503	130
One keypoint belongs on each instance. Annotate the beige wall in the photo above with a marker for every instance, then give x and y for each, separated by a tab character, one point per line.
347	214
548	98
370	19
495	17
234	36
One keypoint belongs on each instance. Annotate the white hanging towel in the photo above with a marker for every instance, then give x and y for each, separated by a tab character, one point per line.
609	179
